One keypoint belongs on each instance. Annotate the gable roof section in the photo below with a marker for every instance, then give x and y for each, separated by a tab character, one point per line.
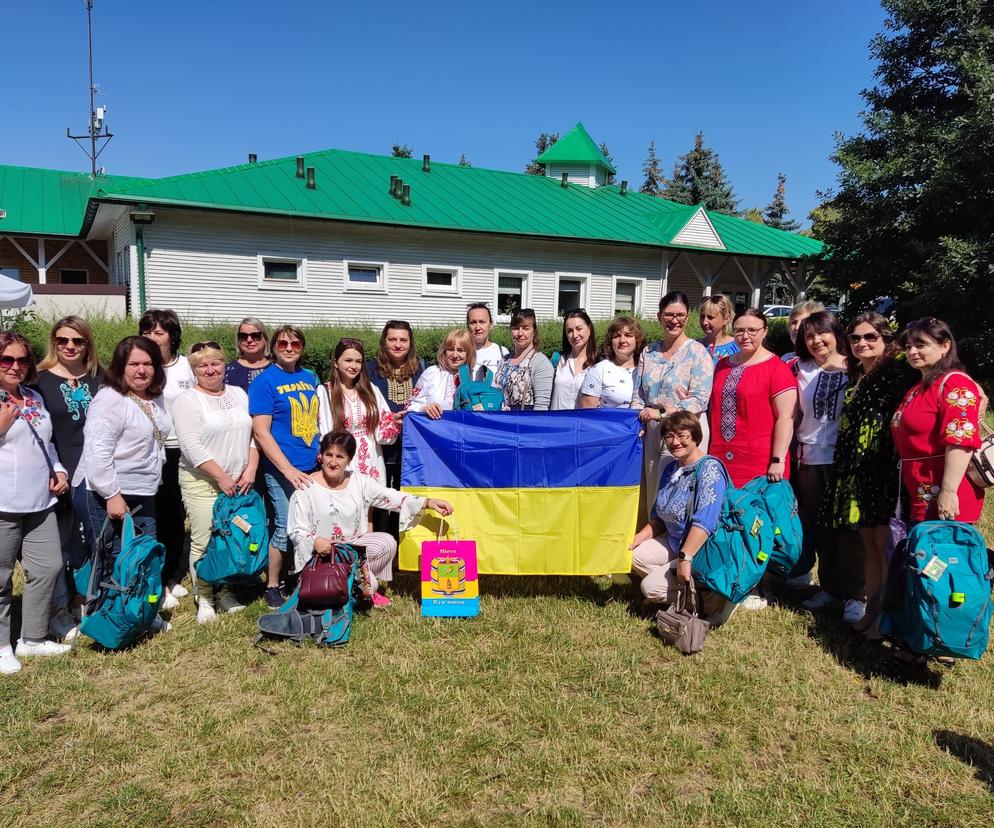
49	202
354	187
576	147
699	232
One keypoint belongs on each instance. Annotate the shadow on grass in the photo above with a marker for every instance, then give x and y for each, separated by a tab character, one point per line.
977	754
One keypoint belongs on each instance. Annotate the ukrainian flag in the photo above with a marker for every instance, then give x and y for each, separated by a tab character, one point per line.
550	493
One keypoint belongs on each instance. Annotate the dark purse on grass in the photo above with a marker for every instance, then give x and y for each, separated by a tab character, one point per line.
324	580
679	625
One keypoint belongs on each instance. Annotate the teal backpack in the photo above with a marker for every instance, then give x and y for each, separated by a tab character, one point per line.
938	597
122	591
477	394
239	546
788	536
734	558
331	627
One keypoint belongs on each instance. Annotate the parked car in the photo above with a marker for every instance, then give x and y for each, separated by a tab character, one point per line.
777	311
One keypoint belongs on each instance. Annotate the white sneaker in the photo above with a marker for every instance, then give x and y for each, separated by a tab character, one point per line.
179	591
62	626
854	610
170	602
160	624
754	601
820	600
40	648
8	662
205	613
800	581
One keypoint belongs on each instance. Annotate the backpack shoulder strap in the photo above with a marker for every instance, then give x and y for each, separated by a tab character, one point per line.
464	375
555	359
942	382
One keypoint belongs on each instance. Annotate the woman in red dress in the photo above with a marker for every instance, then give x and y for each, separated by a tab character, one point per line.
937	426
752	406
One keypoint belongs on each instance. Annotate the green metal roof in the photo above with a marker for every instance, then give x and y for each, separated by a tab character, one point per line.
49	202
353	187
576	147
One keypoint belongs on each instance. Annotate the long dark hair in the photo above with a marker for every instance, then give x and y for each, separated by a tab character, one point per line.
820	322
122	353
410	366
879	323
938	331
591	347
364	388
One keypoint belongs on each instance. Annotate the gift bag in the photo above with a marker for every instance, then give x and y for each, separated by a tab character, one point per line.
449	584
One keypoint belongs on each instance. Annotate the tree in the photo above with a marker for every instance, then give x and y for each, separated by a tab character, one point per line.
542	143
652	185
915	199
607	154
464	161
753	214
404	151
699	178
777	211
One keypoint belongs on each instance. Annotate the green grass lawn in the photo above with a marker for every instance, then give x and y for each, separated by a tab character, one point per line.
555	707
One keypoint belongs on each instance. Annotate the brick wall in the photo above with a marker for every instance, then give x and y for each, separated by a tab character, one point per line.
75	258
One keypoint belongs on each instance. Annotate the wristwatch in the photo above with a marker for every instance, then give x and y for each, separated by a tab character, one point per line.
683	556
775	460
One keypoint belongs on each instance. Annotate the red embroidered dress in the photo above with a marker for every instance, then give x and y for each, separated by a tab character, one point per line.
927	421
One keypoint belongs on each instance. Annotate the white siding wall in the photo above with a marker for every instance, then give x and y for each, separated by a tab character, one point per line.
699	233
578	173
121	264
205	266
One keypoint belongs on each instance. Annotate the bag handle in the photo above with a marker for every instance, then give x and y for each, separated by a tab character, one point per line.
446	522
683	602
41	444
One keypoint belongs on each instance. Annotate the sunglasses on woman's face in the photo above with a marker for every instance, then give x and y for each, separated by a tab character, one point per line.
8	362
294	345
250	336
201	345
63	342
871	338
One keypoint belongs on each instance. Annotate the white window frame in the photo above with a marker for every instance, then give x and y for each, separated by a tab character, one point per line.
526	296
84	270
300	284
639	283
363	287
435	290
582	278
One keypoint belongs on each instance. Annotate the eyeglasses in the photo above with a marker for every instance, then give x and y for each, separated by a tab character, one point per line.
573	310
674	317
252	336
8	362
524	312
747	331
201	345
677	436
871	338
63	341
348	342
294	345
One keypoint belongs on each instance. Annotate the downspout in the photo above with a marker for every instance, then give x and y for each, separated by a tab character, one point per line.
140	242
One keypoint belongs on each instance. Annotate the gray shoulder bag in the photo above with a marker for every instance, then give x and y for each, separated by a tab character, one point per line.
679	625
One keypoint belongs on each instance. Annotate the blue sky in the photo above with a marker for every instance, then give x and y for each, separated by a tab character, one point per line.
198	85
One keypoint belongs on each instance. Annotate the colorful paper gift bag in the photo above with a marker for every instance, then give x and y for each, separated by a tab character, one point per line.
449	584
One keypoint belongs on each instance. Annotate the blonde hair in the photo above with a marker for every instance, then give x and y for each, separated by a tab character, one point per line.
805	307
459	336
259	326
82	327
205	353
720	303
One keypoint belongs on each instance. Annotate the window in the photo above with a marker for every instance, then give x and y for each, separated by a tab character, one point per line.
371	276
626	298
571	292
73	277
11	273
282	272
438	279
512	292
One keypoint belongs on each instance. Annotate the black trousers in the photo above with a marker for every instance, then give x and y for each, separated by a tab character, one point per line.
171	520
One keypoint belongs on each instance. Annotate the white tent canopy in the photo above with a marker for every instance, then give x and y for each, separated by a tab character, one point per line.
14	294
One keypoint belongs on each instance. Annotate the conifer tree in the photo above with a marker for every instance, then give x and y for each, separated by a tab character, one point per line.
464	161
607	154
542	143
652	184
776	211
699	178
404	151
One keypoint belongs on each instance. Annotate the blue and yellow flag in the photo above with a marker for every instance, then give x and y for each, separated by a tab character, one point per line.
551	493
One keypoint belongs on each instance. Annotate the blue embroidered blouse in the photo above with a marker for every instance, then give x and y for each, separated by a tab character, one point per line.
673	503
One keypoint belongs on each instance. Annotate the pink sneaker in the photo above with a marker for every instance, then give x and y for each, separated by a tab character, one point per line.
381	600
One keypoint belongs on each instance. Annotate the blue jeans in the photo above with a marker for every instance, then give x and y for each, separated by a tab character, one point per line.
279	490
91	509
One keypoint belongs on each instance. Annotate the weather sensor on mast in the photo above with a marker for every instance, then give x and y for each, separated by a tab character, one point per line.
98	132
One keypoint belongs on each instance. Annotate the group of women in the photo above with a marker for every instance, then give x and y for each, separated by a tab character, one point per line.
161	435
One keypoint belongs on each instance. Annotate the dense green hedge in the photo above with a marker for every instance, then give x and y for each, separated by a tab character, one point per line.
321	339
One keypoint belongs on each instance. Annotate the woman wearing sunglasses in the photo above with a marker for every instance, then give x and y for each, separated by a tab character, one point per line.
283	402
253	354
525	376
33	479
215	437
68	379
862	492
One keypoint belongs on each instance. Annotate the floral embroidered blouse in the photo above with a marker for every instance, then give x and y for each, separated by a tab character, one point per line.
657	379
25	468
928	421
368	459
690	496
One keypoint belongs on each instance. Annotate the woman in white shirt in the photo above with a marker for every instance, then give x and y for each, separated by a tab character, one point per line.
336	509
578	354
214	429
610	383
163	328
124	446
33	479
436	389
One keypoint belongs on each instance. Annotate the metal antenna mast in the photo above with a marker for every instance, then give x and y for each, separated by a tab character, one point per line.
98	132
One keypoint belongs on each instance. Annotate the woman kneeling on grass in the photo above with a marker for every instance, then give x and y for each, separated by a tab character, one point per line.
336	510
685	515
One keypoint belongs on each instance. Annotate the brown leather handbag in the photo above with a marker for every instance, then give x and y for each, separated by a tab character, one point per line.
324	580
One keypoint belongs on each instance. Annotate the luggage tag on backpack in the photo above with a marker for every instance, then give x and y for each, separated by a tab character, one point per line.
757	524
242	524
934	568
